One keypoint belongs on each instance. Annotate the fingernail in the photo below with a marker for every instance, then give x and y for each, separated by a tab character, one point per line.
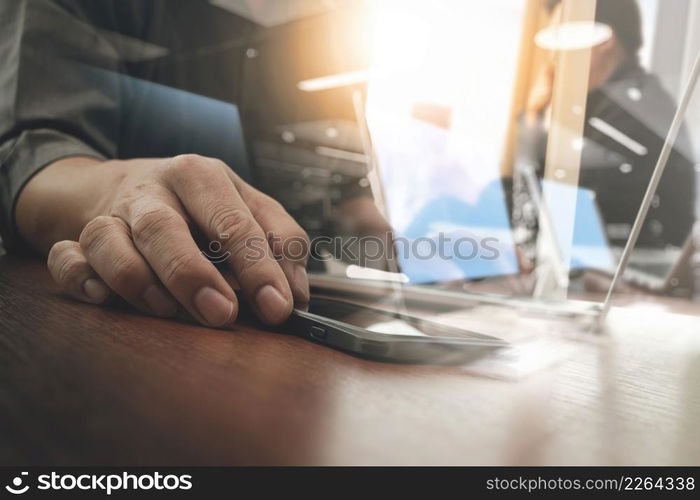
213	306
158	302
301	284
96	290
272	304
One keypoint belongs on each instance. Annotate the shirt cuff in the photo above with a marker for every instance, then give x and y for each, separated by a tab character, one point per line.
21	158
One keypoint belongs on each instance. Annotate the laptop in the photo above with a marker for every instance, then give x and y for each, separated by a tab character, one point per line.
659	270
596	312
656	270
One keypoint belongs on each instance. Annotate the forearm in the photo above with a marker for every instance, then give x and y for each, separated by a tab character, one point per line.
57	202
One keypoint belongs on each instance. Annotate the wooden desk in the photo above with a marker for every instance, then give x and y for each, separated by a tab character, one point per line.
85	385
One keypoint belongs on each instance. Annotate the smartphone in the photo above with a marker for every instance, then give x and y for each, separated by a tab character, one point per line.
386	336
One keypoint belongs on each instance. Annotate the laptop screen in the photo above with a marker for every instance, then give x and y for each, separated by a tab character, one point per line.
439	119
469	97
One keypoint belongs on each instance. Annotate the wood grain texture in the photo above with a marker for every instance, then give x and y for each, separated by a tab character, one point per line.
85	385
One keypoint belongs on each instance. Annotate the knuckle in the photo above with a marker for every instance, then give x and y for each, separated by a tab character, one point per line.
182	166
123	204
254	269
96	232
249	272
186	160
188	166
57	251
126	272
152	225
135	200
66	269
56	256
226	219
179	270
242	253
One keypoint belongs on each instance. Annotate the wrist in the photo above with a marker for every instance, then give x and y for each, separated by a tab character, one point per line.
59	200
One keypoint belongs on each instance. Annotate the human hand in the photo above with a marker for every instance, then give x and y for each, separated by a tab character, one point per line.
136	238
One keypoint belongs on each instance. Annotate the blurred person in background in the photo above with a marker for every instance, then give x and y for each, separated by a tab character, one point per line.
627	117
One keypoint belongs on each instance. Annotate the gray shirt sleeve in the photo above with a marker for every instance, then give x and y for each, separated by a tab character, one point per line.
56	96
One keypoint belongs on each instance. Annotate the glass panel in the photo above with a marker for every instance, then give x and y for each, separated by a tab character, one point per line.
507	145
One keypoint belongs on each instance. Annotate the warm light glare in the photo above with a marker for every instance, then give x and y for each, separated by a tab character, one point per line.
333	81
453	58
573	36
443	51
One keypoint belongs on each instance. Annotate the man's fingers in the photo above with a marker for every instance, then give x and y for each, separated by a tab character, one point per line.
163	237
213	202
73	274
288	241
107	245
